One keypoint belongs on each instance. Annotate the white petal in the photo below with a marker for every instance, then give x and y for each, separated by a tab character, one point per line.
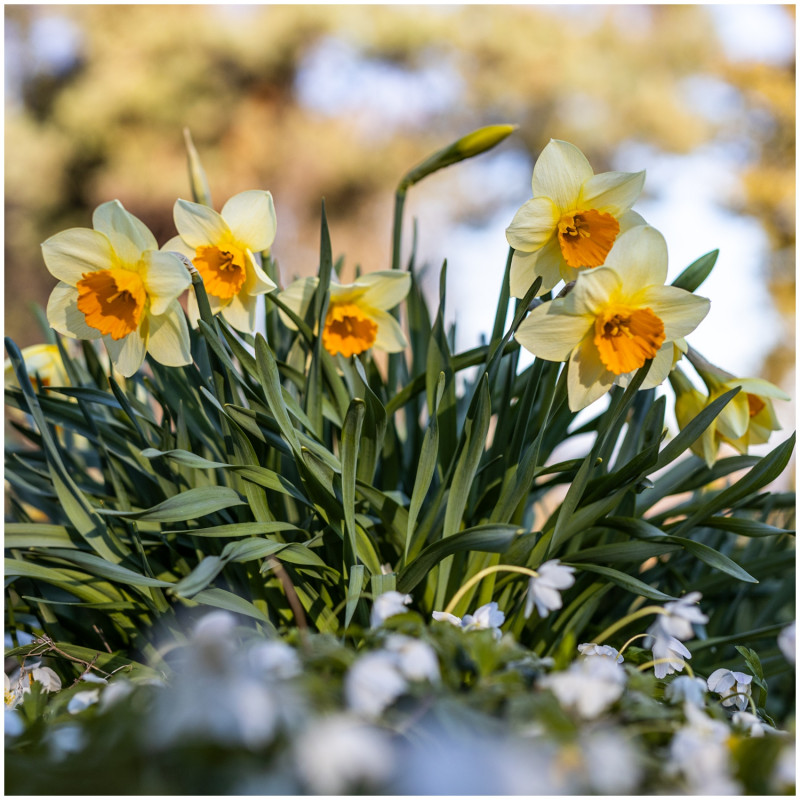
660	368
256	281
129	235
297	296
733	420
593	291
612	192
251	218
127	354
533	224
169	337
679	310
587	378
640	257
759	387
165	277
550	333
526	267
628	220
549	597
559	173
177	245
385	289
240	313
390	336
64	316
71	253
198	225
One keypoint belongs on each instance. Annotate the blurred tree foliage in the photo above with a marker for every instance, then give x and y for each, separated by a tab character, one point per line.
105	120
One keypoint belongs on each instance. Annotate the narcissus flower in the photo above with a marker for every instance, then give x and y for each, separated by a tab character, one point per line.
615	319
572	220
223	247
42	361
115	284
748	418
358	315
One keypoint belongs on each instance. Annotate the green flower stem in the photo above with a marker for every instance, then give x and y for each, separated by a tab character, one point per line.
480	576
642	612
632	639
397	231
648	664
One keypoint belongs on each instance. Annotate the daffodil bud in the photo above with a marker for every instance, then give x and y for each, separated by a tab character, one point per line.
201	191
473	144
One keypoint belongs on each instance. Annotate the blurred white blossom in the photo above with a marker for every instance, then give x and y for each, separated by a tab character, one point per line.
416	659
387	605
784	773
669	655
339	754
787	642
589	686
612	763
681	615
274	659
733	687
544	591
373	683
750	724
80	701
686	689
19	684
602	650
443	616
487	617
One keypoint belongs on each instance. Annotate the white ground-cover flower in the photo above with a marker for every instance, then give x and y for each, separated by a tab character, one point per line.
787	642
750	724
487	617
611	762
373	682
699	752
80	701
358	313
274	659
223	246
603	650
544	591
686	689
19	684
680	615
589	686
416	659
341	754
733	687
444	616
784	773
114	283
387	605
670	655
572	220
616	318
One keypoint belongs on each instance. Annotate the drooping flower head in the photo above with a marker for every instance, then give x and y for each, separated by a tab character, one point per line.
222	247
115	284
572	220
42	361
544	591
358	317
615	319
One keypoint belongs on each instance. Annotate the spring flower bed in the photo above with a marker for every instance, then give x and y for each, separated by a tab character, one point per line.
268	539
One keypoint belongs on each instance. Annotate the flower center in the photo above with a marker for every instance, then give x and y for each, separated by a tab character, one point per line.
627	337
586	237
112	301
754	404
348	330
223	271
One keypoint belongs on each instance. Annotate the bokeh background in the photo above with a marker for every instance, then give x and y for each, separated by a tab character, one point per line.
340	101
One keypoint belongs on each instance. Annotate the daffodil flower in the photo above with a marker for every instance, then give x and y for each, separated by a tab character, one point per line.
222	247
748	418
615	319
358	317
42	361
572	220
115	284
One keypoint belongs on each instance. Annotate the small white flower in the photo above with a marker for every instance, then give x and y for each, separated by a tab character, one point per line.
787	642
733	687
750	724
80	701
685	689
545	591
340	754
784	773
20	684
488	617
116	691
611	762
416	659
602	650
681	615
443	616
669	655
387	605
373	683
274	659
589	686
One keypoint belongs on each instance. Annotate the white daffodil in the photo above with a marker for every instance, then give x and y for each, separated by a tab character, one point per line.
223	247
358	315
787	642
591	650
589	686
615	319
572	220
114	284
544	591
733	687
43	362
387	605
686	689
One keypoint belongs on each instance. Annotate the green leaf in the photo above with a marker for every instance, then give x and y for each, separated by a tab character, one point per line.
737	525
238	529
351	437
104	569
483	538
713	558
691	278
23	535
187	505
270	382
633	585
185	458
221	598
353	592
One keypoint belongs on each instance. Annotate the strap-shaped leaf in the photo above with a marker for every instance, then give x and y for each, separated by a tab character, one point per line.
624	580
351	438
187	505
